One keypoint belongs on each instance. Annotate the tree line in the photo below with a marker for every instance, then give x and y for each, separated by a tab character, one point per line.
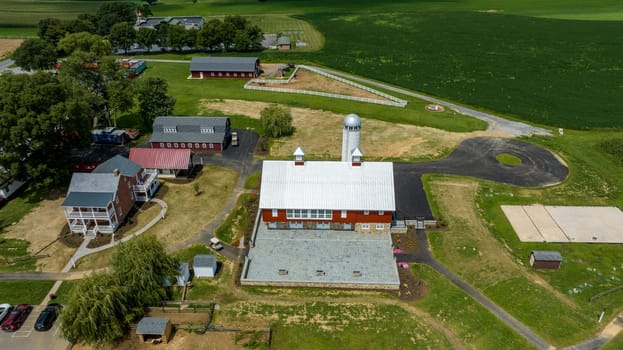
43	116
101	307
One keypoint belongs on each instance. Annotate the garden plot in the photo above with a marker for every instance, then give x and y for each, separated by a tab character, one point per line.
538	223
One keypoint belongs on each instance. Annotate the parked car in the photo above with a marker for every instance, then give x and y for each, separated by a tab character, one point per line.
215	243
16	318
47	317
5	308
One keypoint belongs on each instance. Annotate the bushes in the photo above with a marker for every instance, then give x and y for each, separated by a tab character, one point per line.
612	147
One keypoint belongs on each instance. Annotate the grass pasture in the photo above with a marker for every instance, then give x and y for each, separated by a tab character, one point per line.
296	29
24	292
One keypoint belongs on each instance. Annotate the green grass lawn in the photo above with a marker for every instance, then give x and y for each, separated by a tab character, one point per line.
24	292
189	93
319	325
470	321
508	159
614	344
587	268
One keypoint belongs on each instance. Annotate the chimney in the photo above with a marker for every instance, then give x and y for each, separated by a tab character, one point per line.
299	155
115	172
356	157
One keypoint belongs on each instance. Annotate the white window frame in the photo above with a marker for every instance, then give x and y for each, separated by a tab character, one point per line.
365	226
344	214
176	145
275	213
161	144
211	145
203	145
380	227
366	212
168	144
309	214
381	212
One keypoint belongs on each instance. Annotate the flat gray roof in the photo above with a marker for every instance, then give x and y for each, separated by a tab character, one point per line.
188	129
547	255
204	260
321	256
152	325
223	64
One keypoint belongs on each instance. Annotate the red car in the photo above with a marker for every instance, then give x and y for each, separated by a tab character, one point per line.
16	318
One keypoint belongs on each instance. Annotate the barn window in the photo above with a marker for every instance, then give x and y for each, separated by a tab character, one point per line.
220	74
211	74
343	214
211	145
203	145
365	226
380	226
175	145
227	74
207	130
274	213
381	212
169	129
366	212
196	145
183	145
161	144
235	74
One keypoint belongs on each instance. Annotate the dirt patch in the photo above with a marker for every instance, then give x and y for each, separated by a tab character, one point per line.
307	80
42	227
411	288
7	46
319	132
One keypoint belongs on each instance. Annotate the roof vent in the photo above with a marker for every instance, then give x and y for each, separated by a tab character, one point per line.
356	157
282	272
356	273
319	273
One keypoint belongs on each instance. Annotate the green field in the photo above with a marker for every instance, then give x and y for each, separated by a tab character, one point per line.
24	292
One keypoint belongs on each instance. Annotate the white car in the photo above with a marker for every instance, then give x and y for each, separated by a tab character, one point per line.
4	310
215	243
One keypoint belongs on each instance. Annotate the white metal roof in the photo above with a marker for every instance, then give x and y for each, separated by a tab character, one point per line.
327	185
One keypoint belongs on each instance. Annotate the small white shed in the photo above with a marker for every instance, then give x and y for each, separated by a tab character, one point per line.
204	265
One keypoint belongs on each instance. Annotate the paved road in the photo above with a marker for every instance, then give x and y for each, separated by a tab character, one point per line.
495	123
424	256
476	157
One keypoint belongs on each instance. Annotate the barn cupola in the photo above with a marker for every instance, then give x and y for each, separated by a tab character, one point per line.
299	157
356	157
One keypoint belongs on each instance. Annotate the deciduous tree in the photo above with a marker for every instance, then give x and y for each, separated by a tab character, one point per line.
35	54
276	121
41	119
84	41
153	100
146	37
122	36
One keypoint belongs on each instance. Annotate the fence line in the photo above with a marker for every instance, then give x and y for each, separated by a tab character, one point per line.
324	94
394	101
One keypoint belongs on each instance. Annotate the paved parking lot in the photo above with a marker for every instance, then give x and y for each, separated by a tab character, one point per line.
26	338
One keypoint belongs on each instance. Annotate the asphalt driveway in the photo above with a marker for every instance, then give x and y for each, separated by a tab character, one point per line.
477	158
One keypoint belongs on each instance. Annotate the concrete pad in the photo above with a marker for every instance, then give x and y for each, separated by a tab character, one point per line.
589	224
322	258
547	226
523	226
566	223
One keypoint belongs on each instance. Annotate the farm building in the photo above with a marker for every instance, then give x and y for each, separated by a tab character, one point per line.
224	67
167	162
325	223
150	328
332	195
204	265
283	43
100	201
545	259
189	22
199	134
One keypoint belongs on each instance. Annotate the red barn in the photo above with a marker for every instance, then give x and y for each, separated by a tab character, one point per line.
332	195
199	134
224	67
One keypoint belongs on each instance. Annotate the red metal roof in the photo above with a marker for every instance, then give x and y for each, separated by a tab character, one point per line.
161	158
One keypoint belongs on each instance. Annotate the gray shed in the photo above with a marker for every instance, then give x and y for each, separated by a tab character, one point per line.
545	259
154	327
204	265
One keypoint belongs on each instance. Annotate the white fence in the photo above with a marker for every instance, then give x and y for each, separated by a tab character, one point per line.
393	101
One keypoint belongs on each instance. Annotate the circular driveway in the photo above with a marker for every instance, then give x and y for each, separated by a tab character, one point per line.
477	158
